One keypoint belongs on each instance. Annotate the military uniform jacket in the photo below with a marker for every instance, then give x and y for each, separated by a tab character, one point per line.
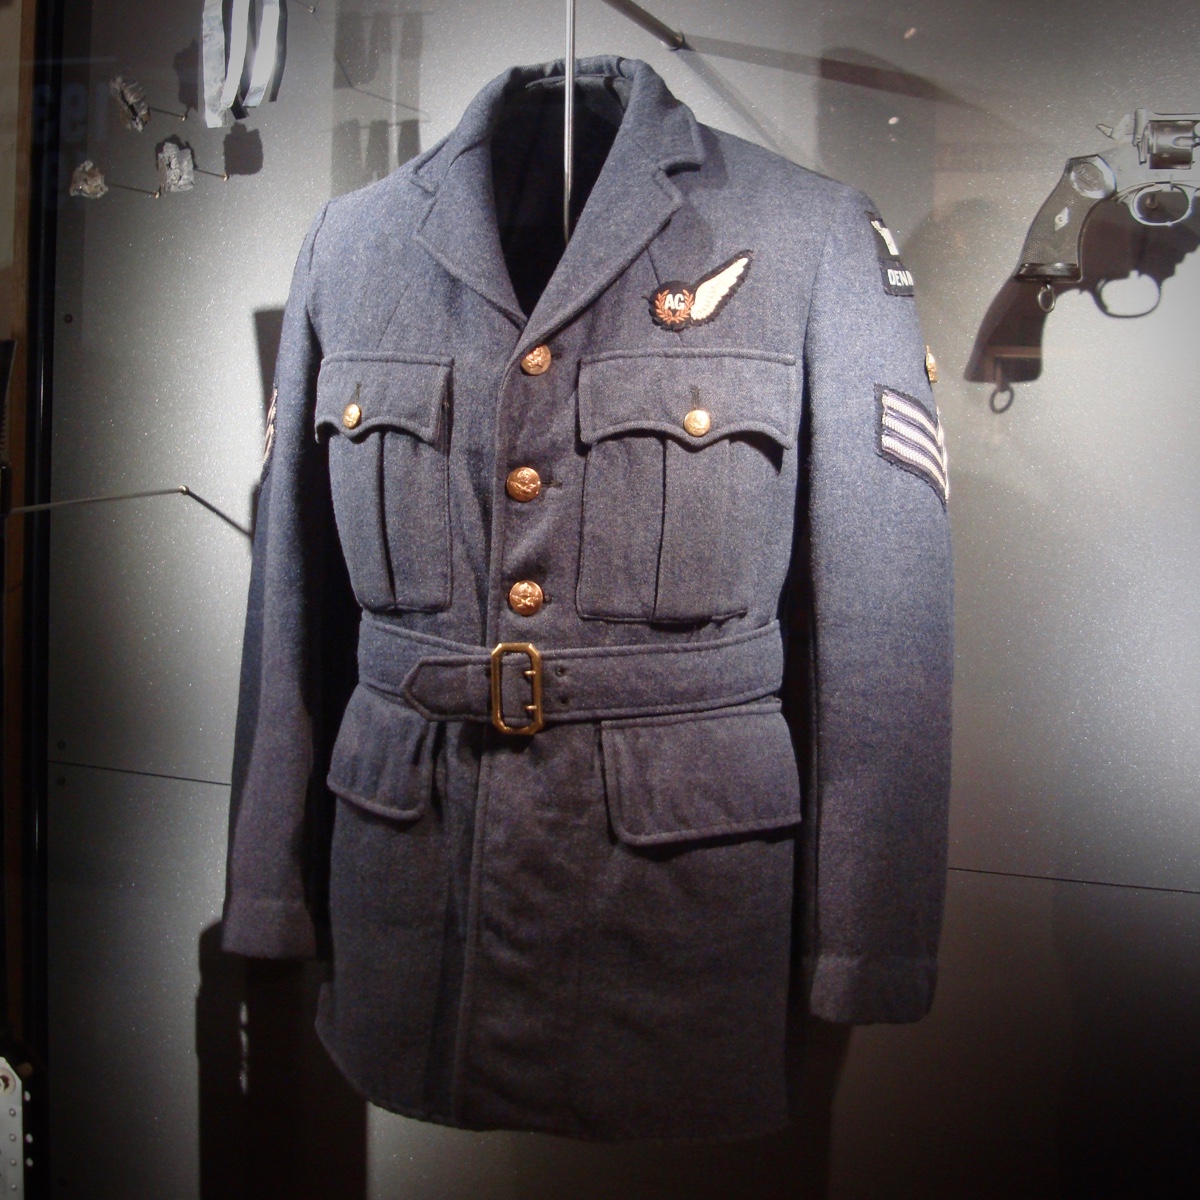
695	464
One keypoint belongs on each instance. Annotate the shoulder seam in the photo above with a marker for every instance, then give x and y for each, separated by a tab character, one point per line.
834	210
318	224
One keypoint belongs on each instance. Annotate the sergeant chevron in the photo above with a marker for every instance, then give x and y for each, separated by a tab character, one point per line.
911	438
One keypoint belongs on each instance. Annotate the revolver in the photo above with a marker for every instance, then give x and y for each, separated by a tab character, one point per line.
1151	169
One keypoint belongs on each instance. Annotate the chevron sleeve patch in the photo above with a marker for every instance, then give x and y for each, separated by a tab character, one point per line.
911	437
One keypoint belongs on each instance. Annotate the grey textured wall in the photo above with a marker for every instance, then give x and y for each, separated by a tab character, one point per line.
1062	1055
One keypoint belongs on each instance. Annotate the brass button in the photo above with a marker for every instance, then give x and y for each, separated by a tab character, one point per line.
697	422
351	415
523	484
525	597
931	370
537	361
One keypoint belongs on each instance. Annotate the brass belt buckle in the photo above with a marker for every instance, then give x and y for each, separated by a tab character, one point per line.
533	674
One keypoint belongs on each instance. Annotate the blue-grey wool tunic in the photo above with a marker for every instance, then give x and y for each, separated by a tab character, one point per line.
692	459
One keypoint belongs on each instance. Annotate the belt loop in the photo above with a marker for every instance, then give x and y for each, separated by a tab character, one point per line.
533	674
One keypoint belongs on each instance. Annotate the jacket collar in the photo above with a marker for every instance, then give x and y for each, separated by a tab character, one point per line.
631	201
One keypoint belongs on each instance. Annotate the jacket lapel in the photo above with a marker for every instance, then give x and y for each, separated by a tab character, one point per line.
459	228
460	231
631	202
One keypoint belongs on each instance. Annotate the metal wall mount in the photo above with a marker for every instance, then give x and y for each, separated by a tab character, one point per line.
14	1146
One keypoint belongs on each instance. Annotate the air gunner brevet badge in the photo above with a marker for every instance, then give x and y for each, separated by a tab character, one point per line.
677	305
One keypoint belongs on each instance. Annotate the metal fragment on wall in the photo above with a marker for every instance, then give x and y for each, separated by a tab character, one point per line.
176	167
87	180
131	102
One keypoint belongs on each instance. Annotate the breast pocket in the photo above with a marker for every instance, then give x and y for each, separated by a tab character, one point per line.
689	480
387	421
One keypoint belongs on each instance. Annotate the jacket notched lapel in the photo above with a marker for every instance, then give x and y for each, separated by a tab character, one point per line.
633	199
459	230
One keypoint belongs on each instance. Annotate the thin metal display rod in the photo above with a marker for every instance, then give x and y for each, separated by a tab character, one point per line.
181	490
569	122
650	23
639	16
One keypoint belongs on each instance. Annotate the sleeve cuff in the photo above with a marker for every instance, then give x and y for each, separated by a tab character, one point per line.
858	990
259	927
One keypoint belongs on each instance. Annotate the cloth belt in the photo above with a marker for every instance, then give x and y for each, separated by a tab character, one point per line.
445	680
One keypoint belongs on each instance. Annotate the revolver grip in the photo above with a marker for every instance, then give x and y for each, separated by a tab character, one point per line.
1051	250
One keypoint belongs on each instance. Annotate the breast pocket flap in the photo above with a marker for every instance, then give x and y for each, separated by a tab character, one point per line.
721	774
356	395
693	396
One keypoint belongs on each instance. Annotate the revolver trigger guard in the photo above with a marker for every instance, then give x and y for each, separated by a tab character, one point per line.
1132	199
1102	304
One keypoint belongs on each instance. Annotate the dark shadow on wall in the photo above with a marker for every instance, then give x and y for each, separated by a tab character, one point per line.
877	74
361	154
243	151
880	83
765	130
187	75
268	330
364	151
1115	251
376	55
880	141
276	1117
361	42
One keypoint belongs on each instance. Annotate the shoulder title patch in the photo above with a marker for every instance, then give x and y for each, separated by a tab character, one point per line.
677	305
897	279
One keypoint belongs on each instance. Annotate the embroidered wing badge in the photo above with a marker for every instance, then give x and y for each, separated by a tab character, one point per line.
677	305
912	438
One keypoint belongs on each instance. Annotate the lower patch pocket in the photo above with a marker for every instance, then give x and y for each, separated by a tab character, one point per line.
383	757
706	775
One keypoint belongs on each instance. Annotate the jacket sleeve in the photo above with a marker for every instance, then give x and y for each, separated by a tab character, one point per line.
881	628
295	657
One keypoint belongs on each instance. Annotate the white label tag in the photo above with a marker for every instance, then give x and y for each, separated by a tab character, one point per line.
889	241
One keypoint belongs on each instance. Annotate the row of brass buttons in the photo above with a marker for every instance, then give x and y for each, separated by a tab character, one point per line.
525	596
523	484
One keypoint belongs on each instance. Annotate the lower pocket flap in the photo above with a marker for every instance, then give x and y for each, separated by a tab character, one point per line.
383	757
674	779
